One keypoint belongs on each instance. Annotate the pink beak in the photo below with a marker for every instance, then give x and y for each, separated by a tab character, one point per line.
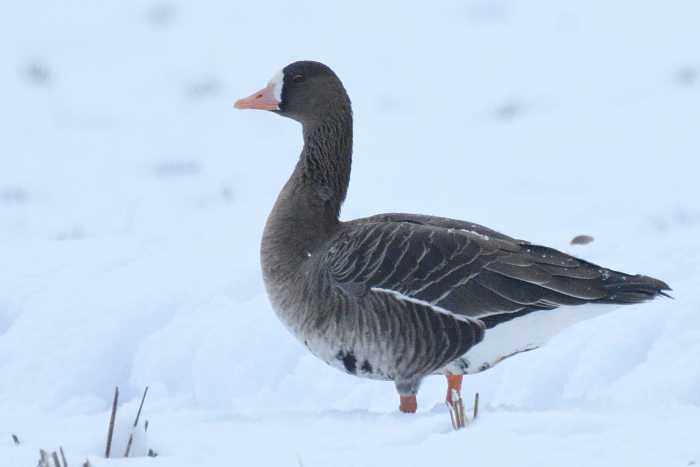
261	100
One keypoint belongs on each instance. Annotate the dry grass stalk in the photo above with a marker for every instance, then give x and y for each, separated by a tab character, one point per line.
63	457
136	422
128	445
43	459
476	405
111	423
138	414
459	420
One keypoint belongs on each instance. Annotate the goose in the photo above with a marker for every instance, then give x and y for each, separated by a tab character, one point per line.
399	297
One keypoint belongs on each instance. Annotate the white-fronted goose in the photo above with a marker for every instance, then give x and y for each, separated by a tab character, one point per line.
402	296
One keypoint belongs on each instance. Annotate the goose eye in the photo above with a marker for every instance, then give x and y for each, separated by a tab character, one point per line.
298	79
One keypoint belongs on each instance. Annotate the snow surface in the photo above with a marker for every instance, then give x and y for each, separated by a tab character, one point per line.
133	196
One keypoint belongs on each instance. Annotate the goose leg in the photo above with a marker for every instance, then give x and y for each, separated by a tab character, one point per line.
408	404
454	401
407	389
453	382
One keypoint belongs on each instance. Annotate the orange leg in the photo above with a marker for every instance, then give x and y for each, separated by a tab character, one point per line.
408	404
453	382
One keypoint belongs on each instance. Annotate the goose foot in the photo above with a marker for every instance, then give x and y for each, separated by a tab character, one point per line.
454	383
408	404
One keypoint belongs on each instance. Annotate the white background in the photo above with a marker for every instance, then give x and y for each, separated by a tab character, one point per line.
133	196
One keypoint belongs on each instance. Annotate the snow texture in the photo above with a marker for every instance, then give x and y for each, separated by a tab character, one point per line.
133	197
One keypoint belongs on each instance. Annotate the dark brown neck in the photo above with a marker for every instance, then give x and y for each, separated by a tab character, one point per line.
307	209
324	164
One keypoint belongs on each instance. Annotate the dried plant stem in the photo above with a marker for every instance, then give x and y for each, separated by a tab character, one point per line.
138	414
456	409
136	422
476	405
63	457
128	445
43	459
111	423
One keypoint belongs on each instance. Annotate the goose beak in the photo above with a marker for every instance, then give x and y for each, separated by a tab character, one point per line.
261	100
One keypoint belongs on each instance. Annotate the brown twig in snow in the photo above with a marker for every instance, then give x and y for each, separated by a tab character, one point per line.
111	423
43	459
138	414
459	420
136	422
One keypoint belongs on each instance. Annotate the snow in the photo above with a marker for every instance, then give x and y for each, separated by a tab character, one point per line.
133	197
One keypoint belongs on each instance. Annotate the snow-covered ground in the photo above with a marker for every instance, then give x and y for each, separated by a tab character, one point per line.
133	196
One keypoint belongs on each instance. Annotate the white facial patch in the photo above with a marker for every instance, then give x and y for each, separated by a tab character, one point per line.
277	81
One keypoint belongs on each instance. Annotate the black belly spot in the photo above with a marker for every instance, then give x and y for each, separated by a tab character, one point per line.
349	361
366	367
